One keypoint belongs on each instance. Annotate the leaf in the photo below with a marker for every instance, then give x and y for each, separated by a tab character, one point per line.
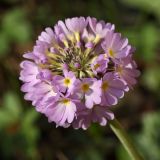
150	136
4	44
28	129
29	118
151	78
122	154
10	110
5	119
30	132
147	5
149	41
12	104
15	26
145	40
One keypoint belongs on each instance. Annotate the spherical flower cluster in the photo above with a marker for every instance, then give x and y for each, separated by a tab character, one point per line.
77	71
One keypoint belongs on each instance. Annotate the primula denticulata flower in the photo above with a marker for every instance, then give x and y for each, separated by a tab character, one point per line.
77	71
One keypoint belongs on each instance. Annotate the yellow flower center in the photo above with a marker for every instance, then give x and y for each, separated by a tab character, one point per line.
85	87
105	85
67	81
96	66
111	53
65	101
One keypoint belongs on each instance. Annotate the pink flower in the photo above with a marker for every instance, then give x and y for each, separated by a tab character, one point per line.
44	95
29	75
89	90
76	24
65	83
97	114
100	64
115	46
62	111
112	89
126	69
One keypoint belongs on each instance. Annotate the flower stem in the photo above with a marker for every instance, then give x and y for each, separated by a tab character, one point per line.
125	140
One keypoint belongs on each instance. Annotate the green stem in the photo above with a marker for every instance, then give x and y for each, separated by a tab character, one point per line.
125	140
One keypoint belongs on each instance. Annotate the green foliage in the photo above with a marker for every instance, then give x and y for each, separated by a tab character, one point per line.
122	154
14	29
145	40
149	40
4	44
151	78
14	123
147	5
11	110
149	138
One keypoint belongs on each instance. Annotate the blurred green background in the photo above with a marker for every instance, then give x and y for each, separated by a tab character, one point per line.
26	134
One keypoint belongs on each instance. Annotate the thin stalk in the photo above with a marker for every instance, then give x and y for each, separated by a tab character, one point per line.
125	140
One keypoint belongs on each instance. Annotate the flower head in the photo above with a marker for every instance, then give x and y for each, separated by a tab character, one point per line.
77	71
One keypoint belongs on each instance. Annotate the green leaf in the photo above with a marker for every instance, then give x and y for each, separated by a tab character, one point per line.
12	104
151	78
10	110
149	41
149	138
29	118
147	5
28	129
5	119
145	40
122	154
4	44
30	132
15	26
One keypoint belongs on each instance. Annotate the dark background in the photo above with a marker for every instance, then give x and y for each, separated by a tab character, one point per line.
26	134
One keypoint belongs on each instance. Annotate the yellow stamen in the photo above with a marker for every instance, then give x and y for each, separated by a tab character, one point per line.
65	43
96	66
96	40
87	52
105	85
67	81
52	55
77	36
85	87
111	53
65	101
81	74
70	37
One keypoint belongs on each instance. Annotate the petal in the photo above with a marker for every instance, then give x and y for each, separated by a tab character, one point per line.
88	101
